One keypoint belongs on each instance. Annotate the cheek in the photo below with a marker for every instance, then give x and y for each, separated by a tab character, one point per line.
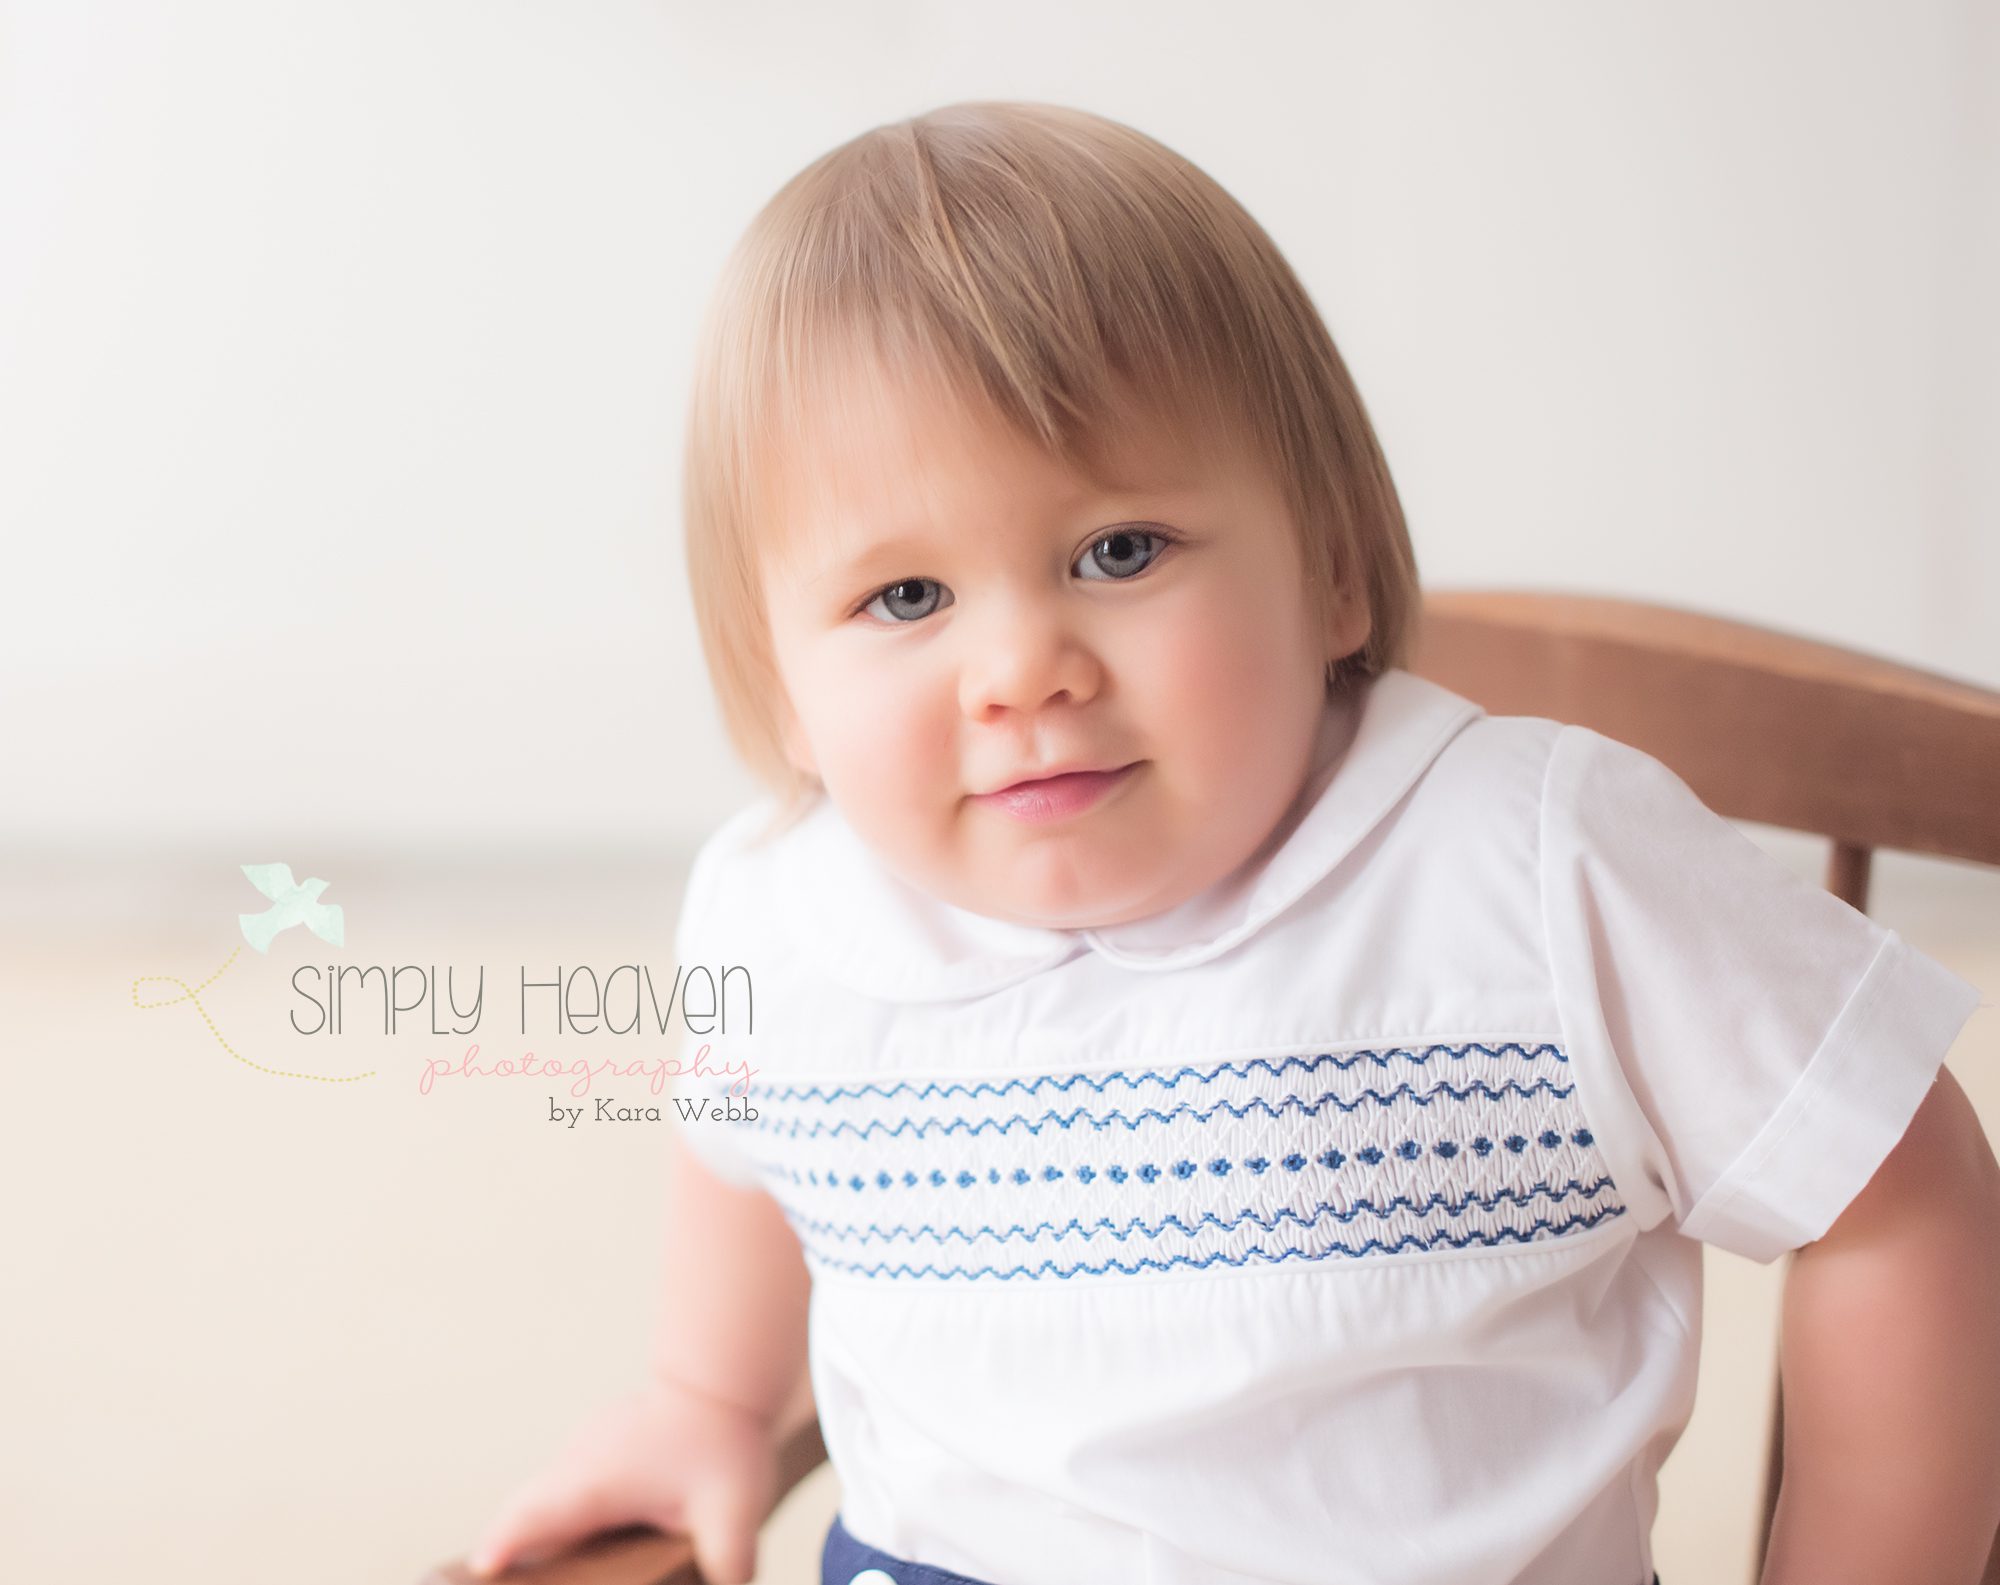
1228	671
873	719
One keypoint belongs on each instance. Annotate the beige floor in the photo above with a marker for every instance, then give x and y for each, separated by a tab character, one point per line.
262	1327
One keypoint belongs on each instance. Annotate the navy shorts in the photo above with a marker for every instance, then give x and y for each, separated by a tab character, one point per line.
846	1561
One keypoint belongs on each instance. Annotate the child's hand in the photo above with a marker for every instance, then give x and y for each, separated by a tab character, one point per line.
667	1456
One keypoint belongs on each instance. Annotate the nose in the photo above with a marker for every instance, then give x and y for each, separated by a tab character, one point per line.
1025	654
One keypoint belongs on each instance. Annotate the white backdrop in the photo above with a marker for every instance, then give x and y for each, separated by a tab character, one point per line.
343	349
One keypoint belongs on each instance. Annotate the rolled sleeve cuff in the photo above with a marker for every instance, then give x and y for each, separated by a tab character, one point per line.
1851	1105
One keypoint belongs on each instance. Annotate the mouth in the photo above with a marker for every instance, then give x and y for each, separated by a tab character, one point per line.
1053	798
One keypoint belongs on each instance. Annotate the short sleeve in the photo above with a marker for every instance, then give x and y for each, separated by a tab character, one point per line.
704	1090
1748	1048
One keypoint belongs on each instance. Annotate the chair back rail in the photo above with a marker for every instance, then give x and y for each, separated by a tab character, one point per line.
1764	726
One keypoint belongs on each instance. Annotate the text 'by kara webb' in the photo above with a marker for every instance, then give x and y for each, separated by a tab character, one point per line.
629	1000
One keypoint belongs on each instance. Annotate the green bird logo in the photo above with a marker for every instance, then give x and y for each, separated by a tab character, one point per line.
291	904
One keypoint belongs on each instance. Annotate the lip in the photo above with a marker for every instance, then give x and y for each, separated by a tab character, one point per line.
1058	797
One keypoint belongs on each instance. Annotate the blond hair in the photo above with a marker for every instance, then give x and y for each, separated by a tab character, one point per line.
1047	261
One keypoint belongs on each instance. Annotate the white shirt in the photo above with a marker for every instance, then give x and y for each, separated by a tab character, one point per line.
1339	1226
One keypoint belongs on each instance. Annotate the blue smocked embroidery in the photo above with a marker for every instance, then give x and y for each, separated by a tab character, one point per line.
1480	1150
1410	1241
930	1088
1138	1226
795	1129
1408	1150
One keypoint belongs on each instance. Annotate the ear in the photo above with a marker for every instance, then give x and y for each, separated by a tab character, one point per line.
797	749
1349	627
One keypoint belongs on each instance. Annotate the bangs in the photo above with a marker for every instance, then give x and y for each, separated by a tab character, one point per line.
1029	285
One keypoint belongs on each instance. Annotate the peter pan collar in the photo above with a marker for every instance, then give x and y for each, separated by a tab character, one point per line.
866	928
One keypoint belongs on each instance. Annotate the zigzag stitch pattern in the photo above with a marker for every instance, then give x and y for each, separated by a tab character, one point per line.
850	1232
796	1129
1050	1268
1241	1070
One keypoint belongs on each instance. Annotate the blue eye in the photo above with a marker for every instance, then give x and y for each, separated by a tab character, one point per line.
911	600
1122	554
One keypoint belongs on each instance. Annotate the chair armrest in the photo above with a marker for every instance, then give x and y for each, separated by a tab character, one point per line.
635	1555
641	1555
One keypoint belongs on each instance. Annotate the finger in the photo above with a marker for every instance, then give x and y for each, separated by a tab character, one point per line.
722	1522
540	1524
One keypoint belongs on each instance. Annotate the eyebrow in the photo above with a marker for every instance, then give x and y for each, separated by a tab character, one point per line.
849	567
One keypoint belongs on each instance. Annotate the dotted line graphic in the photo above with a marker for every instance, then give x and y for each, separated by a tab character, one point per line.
192	993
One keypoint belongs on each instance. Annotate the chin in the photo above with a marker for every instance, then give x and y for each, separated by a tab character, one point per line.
1084	908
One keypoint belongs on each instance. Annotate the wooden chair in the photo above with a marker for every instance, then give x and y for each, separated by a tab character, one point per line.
1764	726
